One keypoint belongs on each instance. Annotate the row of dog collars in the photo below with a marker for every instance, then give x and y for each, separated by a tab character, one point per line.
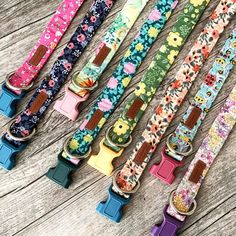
118	137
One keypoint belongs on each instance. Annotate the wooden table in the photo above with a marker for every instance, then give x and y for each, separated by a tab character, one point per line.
31	204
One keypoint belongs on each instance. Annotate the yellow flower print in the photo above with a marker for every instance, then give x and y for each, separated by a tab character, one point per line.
139	47
163	48
196	2
128	53
152	32
125	81
101	122
88	138
168	15
120	127
174	39
120	140
73	144
172	55
140	89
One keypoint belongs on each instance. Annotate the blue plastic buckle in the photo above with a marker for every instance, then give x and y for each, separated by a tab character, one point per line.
112	207
169	226
8	153
8	101
61	174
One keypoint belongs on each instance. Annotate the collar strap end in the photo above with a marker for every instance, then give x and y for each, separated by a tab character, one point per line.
103	160
166	168
69	104
168	227
8	153
8	101
112	207
61	174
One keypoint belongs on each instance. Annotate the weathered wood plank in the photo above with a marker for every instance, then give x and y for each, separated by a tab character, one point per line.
30	204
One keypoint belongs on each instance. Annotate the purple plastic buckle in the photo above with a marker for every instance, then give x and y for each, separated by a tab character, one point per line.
166	168
168	227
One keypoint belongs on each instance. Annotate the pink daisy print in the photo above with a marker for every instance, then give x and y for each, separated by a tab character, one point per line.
105	104
112	83
129	68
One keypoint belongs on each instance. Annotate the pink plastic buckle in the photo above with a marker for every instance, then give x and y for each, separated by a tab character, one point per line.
166	168
68	106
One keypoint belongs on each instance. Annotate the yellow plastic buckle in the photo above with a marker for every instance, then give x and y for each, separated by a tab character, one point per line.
103	160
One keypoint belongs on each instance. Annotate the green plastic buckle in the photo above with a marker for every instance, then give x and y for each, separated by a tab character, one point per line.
61	174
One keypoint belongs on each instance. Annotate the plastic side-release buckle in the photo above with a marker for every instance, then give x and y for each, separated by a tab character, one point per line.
69	104
103	160
112	207
166	168
61	174
8	101
168	227
8	153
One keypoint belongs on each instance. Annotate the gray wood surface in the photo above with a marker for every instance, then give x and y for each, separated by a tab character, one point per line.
32	205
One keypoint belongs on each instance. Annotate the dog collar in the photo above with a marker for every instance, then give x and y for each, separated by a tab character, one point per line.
24	126
16	85
128	177
79	146
182	201
119	135
85	81
179	143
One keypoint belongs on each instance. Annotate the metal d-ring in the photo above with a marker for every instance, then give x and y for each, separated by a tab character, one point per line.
187	153
119	189
83	87
65	148
117	144
189	213
10	86
20	139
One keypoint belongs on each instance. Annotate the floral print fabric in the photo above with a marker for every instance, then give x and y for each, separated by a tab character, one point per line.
157	125
108	99
50	38
27	121
205	96
208	151
165	57
114	37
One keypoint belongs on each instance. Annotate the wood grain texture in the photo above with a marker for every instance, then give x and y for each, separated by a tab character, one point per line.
32	205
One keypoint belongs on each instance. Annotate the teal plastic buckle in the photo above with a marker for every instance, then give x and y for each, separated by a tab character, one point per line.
8	153
61	174
8	101
112	207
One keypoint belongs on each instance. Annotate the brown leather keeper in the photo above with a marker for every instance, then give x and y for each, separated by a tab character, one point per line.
92	123
142	153
134	108
197	172
38	55
38	102
101	56
193	117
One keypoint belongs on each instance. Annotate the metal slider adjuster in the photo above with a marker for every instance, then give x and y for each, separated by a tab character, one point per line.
185	154
103	160
19	139
23	88
188	213
61	174
112	207
69	104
